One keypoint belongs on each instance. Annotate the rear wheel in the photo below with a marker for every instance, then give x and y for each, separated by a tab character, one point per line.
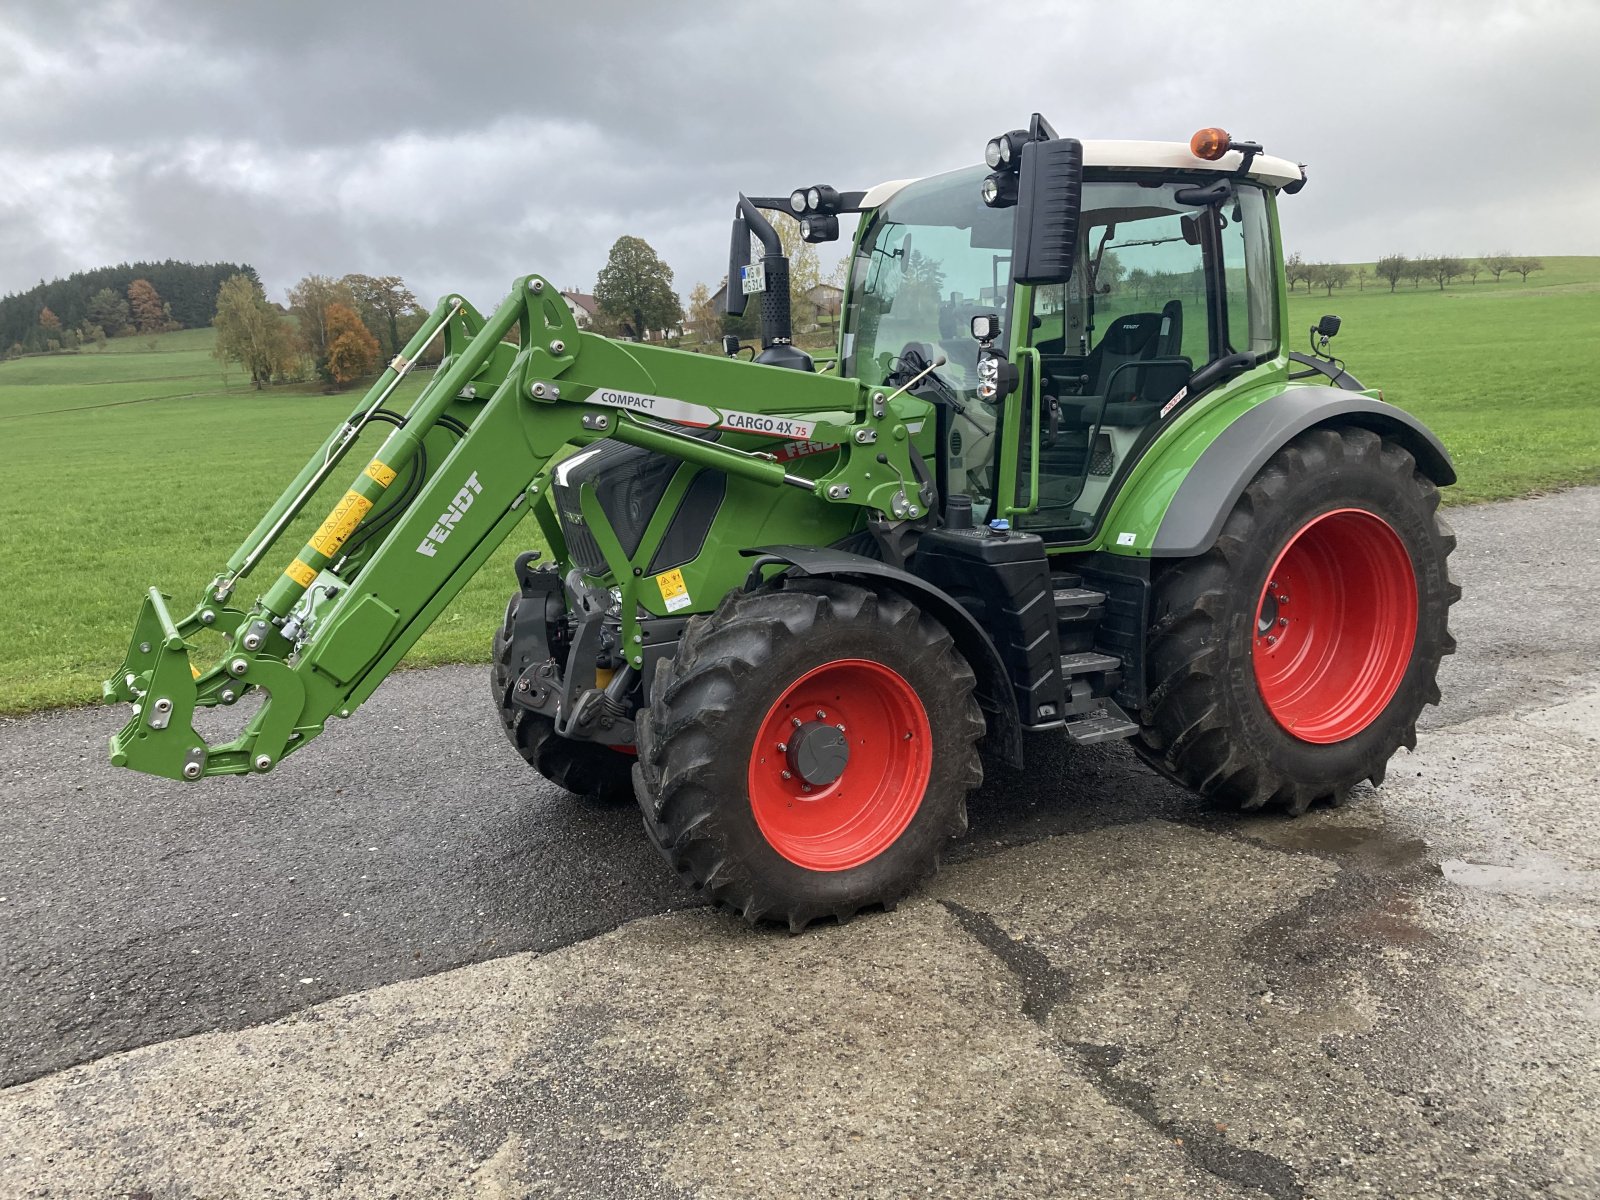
586	768
809	751
1291	661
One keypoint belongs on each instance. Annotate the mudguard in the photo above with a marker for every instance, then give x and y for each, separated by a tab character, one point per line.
995	696
1219	476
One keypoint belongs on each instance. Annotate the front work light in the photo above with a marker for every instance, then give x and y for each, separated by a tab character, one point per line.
1000	190
821	227
1010	147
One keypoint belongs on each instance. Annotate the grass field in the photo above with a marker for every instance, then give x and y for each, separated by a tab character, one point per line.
134	467
129	467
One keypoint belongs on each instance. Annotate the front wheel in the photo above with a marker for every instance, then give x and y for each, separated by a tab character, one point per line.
809	751
583	768
1292	660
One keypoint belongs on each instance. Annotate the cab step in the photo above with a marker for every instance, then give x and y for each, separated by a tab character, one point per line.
1079	611
1089	662
1106	723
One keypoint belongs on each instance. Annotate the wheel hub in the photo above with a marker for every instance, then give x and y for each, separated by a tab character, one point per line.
840	764
818	753
1327	665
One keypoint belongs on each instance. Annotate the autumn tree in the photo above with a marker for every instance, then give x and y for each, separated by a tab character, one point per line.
1526	267
381	301
149	313
635	286
252	333
49	322
1391	268
352	350
702	313
310	300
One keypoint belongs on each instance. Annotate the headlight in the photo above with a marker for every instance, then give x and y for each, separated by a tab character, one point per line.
991	190
988	368
797	200
814	199
987	390
991	153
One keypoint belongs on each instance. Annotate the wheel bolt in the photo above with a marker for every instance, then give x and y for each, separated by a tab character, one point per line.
840	728
786	775
1271	641
1283	620
821	716
783	747
795	721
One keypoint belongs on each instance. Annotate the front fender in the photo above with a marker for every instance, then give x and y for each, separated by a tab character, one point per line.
1201	503
995	694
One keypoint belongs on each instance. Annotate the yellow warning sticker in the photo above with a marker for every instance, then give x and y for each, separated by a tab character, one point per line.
341	523
380	471
674	592
300	573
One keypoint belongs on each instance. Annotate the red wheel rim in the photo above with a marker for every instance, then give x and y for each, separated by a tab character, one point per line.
886	752
1335	626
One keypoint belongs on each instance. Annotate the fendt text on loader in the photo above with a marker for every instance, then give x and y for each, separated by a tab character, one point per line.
1065	475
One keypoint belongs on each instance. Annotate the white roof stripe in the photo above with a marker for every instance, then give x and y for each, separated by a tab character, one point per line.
1164	156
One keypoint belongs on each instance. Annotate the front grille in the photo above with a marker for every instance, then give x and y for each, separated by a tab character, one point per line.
628	482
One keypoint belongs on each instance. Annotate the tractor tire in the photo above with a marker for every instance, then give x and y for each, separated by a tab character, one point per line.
584	768
809	751
1291	660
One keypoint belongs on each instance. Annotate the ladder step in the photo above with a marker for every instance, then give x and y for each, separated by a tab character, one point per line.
1079	598
1088	663
1107	724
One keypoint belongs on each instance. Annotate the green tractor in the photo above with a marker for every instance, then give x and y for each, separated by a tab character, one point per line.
1065	475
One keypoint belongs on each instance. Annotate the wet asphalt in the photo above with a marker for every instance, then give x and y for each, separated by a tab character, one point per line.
411	841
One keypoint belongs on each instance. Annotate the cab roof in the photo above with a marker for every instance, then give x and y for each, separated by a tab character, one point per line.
1160	156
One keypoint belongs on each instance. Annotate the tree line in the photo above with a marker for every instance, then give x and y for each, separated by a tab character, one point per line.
1440	269
104	303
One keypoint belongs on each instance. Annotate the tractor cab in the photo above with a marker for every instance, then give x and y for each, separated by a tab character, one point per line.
1172	286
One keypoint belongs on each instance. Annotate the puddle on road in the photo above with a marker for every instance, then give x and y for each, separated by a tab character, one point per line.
1377	847
1542	876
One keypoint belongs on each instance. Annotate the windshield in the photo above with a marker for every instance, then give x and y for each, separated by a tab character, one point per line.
930	258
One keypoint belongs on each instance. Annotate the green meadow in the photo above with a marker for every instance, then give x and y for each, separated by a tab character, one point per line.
135	466
132	467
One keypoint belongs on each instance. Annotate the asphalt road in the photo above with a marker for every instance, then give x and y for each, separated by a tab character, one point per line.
1113	992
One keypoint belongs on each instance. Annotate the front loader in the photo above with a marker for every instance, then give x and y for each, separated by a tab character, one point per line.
1065	477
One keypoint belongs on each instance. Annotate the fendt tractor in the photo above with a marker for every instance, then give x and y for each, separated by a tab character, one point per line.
1065	475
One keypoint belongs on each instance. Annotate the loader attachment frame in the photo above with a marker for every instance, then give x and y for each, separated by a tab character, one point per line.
350	603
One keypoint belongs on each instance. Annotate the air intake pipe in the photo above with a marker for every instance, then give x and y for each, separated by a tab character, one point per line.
777	322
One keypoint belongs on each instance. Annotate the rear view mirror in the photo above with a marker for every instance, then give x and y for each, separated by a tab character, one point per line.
1049	200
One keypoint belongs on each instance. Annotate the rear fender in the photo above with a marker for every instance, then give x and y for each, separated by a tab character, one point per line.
1201	502
994	691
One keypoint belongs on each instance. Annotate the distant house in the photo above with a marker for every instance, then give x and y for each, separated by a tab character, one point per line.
583	306
823	301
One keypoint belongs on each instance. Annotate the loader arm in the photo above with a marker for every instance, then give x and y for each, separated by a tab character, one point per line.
379	570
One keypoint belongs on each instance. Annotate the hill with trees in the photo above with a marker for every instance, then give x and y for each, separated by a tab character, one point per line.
174	295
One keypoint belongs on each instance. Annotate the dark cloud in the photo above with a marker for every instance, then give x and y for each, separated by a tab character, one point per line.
462	144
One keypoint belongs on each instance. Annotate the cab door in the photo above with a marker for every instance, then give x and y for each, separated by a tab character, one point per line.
1161	288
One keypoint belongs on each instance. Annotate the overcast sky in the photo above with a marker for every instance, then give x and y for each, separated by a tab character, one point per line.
461	144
